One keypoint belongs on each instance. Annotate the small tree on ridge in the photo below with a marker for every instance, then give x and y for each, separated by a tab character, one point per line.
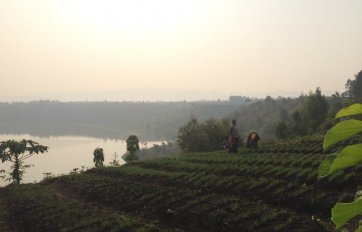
98	157
132	147
18	151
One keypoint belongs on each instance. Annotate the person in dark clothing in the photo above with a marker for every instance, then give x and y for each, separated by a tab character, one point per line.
233	138
252	141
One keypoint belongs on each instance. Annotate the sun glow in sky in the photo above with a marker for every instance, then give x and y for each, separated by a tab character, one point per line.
175	50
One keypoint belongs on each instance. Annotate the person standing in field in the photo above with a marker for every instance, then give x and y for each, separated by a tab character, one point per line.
233	138
252	141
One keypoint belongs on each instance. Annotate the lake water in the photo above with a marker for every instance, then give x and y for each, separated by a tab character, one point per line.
66	153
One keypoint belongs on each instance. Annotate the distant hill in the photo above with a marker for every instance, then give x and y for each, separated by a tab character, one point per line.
148	120
264	115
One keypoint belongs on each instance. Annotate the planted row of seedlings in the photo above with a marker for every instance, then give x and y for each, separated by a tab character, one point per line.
278	179
270	189
278	189
37	208
300	146
177	206
305	145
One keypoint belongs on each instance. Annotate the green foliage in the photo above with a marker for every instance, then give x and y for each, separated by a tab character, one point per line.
38	208
349	156
272	189
350	111
326	165
215	131
341	131
16	152
129	157
297	127
132	147
344	212
315	111
191	136
191	188
312	116
281	131
354	88
207	136
98	157
115	162
132	143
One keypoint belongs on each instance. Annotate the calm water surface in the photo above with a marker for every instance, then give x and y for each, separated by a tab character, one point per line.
65	153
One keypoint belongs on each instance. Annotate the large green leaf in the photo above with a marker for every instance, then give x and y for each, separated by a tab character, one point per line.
325	165
343	212
350	110
358	195
341	131
349	156
359	229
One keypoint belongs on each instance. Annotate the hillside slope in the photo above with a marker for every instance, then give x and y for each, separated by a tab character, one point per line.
264	116
273	189
148	120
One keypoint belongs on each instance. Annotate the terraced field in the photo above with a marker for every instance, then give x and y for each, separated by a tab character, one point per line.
272	189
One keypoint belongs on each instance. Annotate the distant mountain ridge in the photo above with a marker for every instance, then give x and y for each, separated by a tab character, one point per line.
148	120
115	120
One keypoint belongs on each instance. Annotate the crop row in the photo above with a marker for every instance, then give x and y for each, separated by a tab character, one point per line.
301	145
191	209
297	168
278	159
301	168
36	208
297	174
277	192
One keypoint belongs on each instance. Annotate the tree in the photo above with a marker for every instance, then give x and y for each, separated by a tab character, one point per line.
98	157
191	137
281	131
315	111
18	151
354	88
357	87
296	126
342	159
283	114
336	103
132	147
115	162
199	137
215	132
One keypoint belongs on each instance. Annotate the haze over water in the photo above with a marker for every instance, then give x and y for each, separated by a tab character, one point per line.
65	153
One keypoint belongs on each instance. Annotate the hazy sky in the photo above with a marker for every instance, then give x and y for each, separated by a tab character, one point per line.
175	50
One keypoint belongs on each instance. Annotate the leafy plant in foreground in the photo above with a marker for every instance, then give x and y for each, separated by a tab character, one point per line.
342	159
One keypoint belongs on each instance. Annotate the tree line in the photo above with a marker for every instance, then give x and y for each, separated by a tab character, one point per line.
317	114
